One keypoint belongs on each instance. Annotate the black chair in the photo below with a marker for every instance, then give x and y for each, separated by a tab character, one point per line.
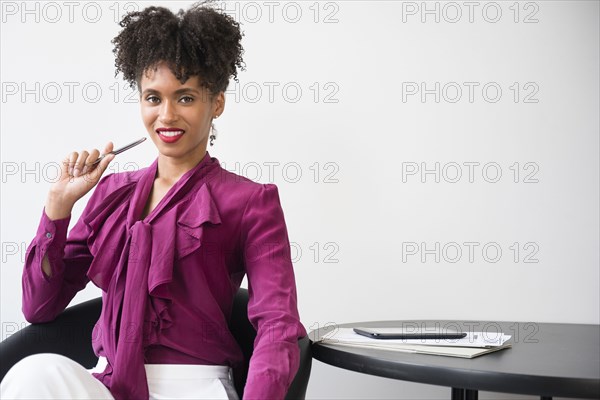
70	335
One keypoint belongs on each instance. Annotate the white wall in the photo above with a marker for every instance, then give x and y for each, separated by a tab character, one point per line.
354	134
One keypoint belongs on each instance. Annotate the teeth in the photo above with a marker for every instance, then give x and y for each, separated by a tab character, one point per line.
171	133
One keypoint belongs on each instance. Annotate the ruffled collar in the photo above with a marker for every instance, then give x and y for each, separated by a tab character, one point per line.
146	182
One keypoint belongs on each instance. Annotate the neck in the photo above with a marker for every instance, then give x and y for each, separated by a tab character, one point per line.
171	169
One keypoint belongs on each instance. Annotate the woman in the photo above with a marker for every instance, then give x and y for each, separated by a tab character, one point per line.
168	244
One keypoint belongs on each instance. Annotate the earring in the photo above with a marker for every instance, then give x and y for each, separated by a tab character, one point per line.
213	133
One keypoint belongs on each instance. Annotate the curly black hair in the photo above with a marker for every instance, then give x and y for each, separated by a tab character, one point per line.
202	41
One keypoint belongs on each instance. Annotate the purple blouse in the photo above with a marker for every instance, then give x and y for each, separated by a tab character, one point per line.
169	280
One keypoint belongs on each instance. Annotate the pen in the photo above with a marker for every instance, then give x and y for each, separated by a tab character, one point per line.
118	151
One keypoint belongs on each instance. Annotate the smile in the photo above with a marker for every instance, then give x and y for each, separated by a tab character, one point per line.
169	135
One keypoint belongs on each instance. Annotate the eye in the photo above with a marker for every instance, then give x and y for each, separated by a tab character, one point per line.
152	99
187	99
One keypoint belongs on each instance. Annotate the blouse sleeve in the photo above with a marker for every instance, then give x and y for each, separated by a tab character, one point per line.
272	303
45	297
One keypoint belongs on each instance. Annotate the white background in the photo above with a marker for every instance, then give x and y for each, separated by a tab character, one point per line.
352	215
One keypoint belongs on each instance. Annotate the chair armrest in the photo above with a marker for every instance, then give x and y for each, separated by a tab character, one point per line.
69	334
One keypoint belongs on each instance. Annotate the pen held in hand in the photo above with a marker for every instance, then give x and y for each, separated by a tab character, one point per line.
118	151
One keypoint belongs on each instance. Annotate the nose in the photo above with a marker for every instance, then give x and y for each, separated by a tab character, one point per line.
168	113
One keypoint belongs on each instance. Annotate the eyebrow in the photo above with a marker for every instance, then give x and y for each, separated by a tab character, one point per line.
178	91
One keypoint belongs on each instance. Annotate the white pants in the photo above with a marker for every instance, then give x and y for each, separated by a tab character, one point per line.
53	376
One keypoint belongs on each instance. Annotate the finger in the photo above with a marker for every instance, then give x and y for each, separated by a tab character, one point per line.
108	148
64	167
104	163
72	159
96	173
80	162
93	156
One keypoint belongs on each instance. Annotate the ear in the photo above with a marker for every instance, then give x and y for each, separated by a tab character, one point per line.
219	103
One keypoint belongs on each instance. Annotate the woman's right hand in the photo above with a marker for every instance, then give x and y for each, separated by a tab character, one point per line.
76	179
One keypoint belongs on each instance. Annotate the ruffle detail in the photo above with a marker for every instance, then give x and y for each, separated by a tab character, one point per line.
156	320
103	243
114	203
188	225
195	212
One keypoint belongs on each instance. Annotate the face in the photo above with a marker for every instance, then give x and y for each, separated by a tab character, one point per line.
178	116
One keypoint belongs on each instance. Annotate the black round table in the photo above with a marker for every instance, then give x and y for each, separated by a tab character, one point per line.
546	359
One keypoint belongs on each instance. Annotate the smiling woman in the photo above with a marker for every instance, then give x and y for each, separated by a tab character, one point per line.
169	244
178	117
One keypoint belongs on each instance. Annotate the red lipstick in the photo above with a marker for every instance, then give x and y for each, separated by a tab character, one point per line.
170	135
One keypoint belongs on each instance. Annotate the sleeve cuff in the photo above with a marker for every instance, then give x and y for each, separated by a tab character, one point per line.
50	239
49	230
